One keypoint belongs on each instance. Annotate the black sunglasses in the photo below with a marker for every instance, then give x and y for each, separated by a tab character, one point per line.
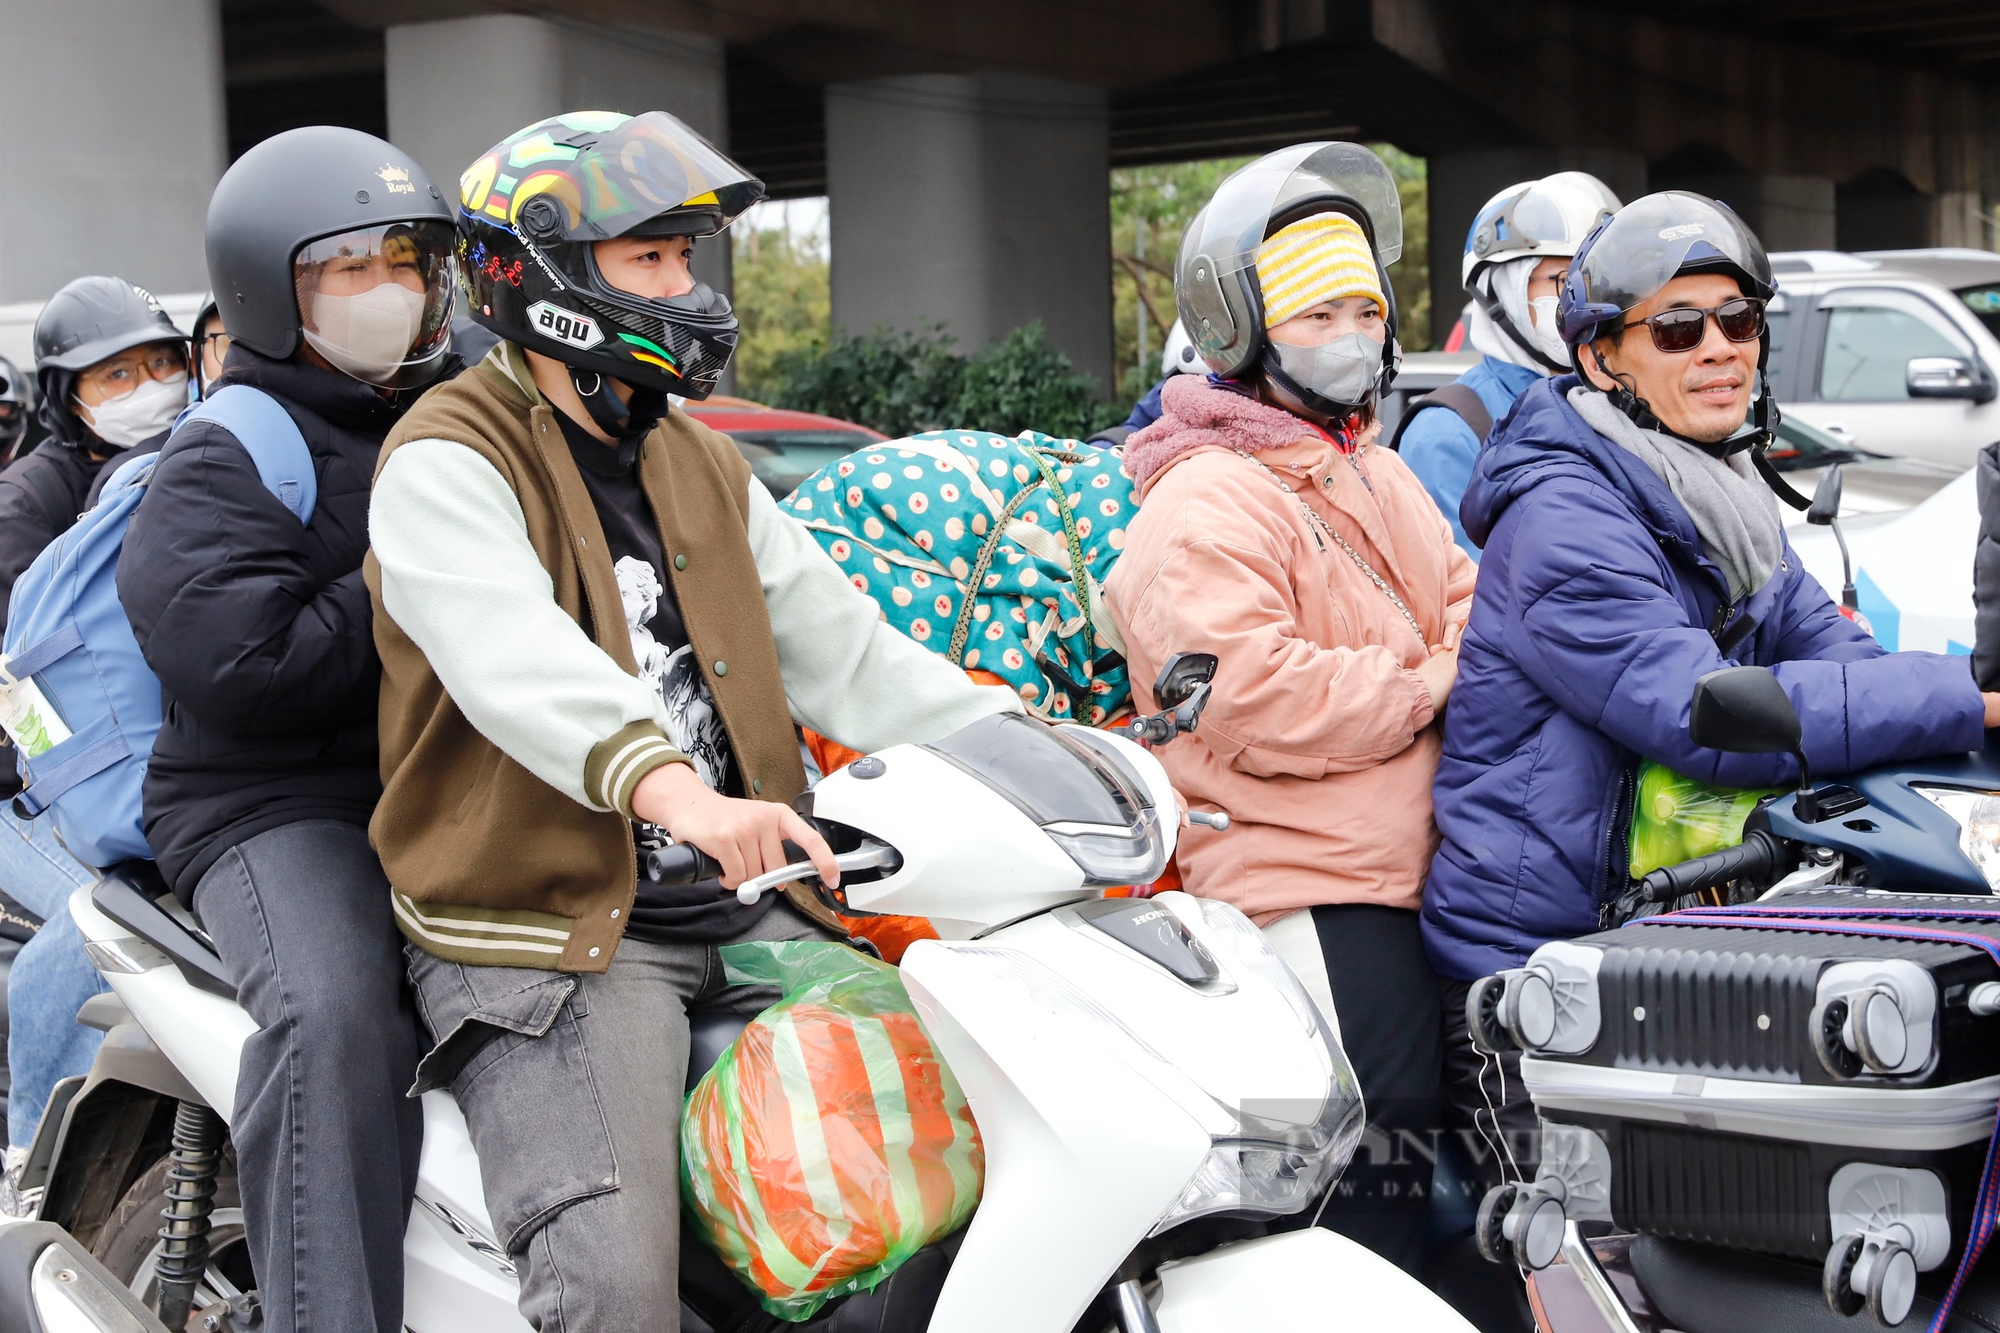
1741	320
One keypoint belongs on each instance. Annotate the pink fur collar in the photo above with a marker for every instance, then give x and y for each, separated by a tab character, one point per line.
1200	415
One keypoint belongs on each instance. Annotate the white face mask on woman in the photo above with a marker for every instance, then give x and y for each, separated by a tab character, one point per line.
138	415
367	336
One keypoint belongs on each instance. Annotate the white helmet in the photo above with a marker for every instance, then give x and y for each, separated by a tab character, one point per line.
1179	356
1540	218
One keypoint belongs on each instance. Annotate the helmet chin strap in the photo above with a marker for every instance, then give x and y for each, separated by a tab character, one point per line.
615	417
1763	415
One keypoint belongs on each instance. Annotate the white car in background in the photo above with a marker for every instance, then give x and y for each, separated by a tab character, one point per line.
1912	569
1893	352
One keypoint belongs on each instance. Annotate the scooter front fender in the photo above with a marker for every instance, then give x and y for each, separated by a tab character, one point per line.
1310	1281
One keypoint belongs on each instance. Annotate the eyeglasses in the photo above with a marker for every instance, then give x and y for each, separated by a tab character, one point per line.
1741	320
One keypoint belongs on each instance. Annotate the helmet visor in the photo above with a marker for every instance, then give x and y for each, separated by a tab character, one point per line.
608	175
1654	238
376	302
1234	223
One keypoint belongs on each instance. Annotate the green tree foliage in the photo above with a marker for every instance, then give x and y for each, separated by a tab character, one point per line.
1152	206
783	300
903	383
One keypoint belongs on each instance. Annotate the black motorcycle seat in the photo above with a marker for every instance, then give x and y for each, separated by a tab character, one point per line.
131	896
710	1033
1700	1289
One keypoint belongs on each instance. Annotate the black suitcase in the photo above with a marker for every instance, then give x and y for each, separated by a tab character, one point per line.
1812	1095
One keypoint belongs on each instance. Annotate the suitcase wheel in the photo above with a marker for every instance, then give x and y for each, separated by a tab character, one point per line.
1527	1008
1486	1224
1860	1032
1875	1273
1829	1040
1520	1224
1534	1229
1482	1018
1837	1279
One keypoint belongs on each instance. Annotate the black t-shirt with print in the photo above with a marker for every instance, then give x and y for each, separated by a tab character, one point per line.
703	911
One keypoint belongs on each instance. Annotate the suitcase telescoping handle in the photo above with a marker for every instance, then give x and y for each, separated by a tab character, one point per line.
1757	857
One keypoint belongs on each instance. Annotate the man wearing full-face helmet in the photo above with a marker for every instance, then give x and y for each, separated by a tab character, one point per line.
331	256
597	629
1632	545
1515	256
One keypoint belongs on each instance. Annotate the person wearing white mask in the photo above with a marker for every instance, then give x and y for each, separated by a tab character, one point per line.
1515	257
333	262
112	371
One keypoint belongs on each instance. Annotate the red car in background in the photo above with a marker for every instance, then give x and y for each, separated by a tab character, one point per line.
783	447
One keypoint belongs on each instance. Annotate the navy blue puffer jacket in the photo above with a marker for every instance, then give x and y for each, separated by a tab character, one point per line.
1595	614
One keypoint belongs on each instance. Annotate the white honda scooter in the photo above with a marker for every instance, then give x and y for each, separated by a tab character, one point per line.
1153	1085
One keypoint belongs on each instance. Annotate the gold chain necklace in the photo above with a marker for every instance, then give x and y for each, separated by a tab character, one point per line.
1317	525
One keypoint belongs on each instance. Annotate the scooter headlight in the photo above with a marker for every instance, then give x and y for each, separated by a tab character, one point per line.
1978	816
1285	1153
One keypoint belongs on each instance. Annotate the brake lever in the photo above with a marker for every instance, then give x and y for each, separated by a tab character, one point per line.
875	856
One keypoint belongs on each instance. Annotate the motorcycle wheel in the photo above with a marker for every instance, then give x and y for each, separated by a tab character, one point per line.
129	1245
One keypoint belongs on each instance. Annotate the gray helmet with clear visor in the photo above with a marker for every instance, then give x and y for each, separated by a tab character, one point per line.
1649	243
1215	281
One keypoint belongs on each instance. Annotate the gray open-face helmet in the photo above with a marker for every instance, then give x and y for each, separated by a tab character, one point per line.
311	198
1646	245
1215	279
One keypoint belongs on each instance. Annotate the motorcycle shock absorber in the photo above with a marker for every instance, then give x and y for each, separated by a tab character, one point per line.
195	1161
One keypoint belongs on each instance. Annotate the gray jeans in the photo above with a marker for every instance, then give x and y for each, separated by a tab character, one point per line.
572	1087
326	1141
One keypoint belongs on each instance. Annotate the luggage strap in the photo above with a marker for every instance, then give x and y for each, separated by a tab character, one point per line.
1838	921
1457	398
1079	569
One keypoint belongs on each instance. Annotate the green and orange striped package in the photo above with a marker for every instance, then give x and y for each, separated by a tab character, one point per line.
830	1143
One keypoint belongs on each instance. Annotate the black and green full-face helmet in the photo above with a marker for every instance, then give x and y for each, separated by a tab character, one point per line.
532	208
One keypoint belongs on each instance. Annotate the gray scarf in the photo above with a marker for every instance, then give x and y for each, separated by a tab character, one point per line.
1732	508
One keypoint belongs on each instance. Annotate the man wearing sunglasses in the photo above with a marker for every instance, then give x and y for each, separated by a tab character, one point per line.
1633	545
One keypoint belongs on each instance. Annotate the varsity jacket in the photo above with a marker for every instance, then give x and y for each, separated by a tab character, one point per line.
514	724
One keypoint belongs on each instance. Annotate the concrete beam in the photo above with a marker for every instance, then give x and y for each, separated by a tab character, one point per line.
111	140
980	202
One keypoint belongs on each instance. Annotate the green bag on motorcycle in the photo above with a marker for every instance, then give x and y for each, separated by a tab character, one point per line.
1676	818
829	1143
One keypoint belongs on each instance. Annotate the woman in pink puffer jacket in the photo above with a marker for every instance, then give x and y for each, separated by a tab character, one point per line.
1322	576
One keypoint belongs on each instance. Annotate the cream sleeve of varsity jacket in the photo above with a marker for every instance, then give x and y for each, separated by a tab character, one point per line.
461	579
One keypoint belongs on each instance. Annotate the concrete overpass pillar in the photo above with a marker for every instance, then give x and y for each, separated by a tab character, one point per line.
979	201
1460	183
111	140
456	87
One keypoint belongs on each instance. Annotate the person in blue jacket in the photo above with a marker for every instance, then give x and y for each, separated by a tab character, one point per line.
1515	255
1633	546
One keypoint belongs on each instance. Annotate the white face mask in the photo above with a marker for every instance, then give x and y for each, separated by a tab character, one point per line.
1547	336
367	336
138	415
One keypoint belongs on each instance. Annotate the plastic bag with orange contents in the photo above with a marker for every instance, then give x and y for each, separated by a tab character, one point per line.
830	1143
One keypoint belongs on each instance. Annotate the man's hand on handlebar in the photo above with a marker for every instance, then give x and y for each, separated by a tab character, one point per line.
745	837
1992	702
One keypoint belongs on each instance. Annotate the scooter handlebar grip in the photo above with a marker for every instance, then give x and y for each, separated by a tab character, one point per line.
1757	856
681	864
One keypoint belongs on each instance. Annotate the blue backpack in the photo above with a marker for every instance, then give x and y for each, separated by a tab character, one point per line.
67	632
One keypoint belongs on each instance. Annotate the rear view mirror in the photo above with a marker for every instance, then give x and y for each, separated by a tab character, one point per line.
1826	499
1944	377
1743	710
1178	678
1182	693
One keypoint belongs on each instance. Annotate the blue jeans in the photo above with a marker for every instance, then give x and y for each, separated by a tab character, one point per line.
51	977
